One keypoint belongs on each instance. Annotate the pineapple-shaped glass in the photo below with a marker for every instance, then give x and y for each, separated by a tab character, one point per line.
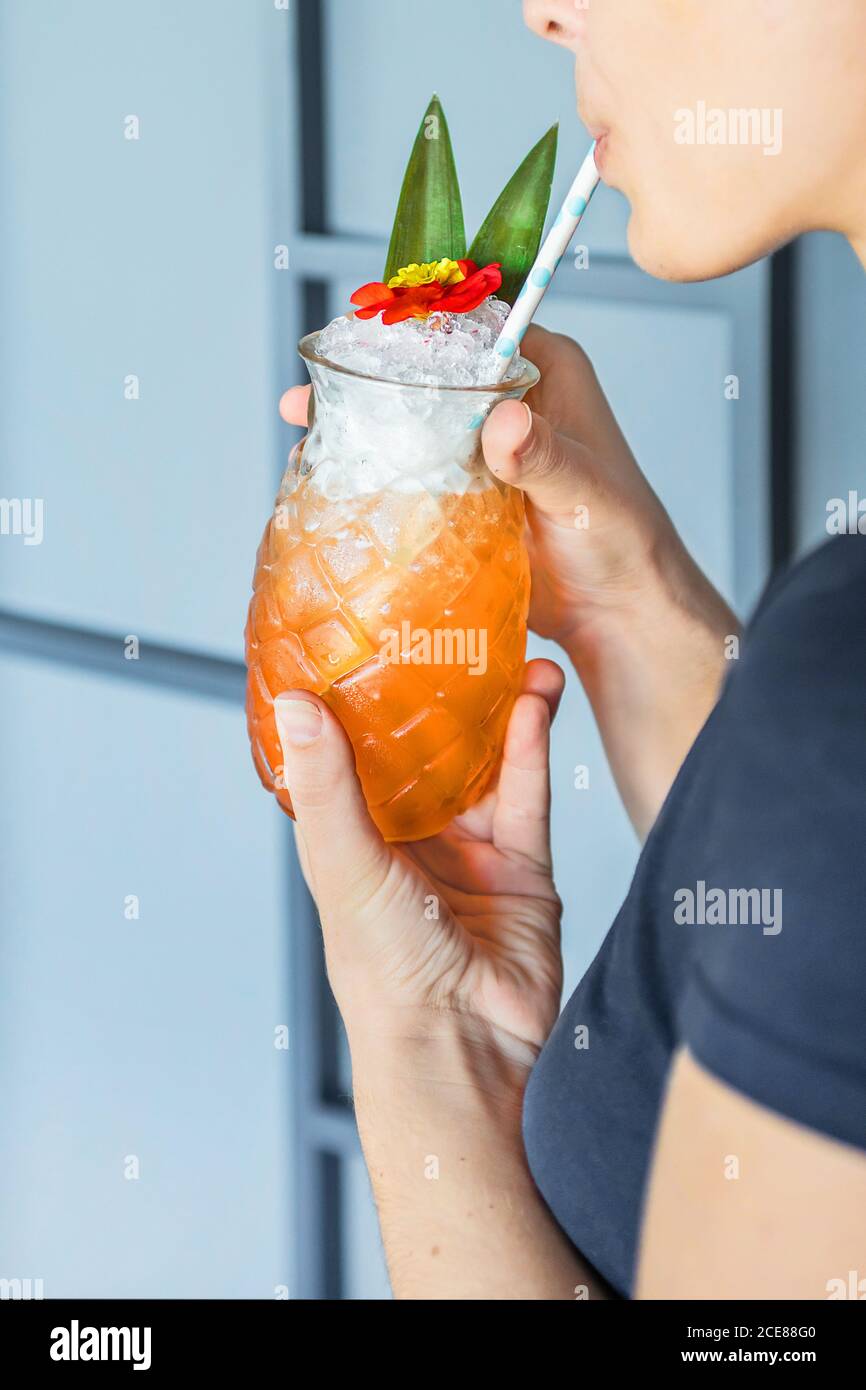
393	581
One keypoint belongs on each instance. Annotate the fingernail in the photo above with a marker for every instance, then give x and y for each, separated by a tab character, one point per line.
527	434
298	721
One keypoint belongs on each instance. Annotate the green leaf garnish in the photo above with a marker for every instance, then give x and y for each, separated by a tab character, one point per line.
429	222
512	230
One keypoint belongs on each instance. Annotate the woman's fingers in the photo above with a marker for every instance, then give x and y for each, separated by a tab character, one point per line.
569	395
521	448
346	858
545	678
294	406
521	815
374	908
540	677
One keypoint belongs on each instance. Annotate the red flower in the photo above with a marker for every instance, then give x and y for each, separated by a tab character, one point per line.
419	301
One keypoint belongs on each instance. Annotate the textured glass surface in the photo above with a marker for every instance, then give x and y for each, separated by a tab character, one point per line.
393	581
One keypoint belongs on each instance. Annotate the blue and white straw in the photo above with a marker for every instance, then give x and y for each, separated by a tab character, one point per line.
554	248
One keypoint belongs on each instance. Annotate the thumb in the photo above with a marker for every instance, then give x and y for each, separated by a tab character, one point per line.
346	855
520	448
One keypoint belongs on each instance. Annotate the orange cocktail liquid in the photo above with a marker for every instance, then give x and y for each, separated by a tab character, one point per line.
406	611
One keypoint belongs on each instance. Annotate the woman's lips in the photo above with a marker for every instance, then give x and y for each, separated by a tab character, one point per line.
601	141
600	134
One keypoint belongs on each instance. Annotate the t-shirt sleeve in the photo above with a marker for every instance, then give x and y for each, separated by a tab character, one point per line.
775	1002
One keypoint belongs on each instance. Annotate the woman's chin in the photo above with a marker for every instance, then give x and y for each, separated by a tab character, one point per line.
670	252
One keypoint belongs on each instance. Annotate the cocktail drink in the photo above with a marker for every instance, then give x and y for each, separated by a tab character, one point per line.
392	579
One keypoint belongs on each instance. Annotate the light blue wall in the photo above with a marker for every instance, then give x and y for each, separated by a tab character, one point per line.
501	89
152	1038
151	257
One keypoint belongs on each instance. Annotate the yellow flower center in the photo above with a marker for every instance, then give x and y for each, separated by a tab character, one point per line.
443	272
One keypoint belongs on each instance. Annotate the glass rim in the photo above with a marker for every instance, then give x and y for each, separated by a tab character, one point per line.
527	379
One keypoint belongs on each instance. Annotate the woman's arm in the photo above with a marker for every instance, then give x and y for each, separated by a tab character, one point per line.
444	960
439	1119
743	1203
653	673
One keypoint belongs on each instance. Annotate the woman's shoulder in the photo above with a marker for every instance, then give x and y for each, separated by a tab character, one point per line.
777	1008
826	582
806	643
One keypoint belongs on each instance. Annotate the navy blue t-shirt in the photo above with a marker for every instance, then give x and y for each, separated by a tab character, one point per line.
743	936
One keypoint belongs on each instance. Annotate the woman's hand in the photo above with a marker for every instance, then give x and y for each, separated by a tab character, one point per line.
596	530
444	960
612	582
460	930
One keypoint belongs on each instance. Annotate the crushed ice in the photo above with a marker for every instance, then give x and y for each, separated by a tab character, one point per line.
443	350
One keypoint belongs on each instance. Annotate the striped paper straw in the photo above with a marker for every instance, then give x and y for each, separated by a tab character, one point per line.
551	253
